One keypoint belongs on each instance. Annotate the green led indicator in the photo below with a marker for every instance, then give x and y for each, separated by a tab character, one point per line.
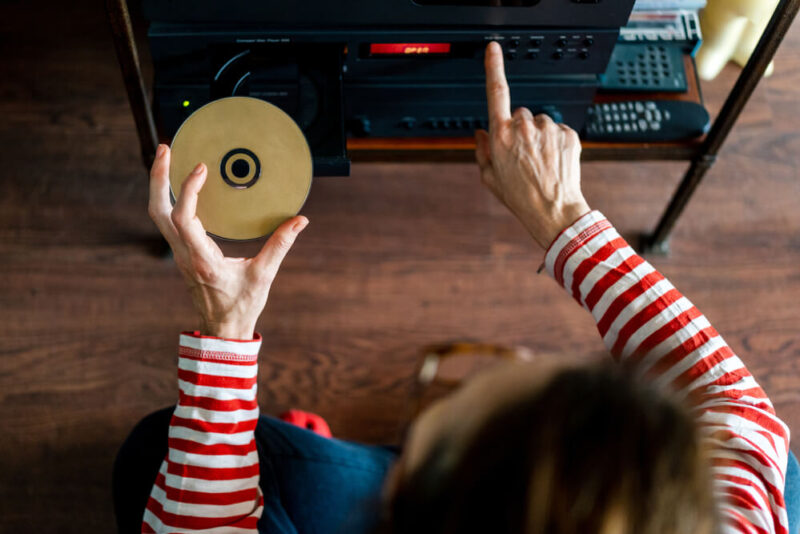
186	103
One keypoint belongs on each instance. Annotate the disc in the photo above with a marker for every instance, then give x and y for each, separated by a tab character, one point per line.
259	166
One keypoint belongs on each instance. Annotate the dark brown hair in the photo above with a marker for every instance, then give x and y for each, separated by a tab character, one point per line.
593	451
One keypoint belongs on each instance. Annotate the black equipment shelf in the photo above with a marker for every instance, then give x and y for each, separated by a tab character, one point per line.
701	153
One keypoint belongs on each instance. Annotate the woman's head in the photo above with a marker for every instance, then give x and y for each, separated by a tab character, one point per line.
578	450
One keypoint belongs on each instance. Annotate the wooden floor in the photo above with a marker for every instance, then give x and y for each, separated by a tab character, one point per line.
396	256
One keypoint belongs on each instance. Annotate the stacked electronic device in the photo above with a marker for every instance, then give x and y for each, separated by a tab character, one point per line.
389	68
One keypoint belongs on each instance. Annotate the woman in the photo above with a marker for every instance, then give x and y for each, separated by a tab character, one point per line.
676	437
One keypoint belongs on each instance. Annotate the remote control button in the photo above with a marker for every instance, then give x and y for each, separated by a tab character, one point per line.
605	107
626	127
618	128
667	115
558	54
561	43
635	127
609	128
536	41
616	117
639	107
650	105
588	41
657	115
511	54
532	55
614	107
655	126
643	125
608	117
514	43
648	115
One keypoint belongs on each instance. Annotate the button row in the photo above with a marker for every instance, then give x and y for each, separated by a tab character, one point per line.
445	123
534	54
561	42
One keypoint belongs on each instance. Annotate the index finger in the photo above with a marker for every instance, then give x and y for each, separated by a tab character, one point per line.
497	94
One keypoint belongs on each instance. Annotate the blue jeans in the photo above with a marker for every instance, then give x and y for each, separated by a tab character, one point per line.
311	484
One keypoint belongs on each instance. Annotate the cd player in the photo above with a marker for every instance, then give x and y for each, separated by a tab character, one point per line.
390	68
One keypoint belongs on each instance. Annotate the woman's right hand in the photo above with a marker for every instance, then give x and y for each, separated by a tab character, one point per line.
531	164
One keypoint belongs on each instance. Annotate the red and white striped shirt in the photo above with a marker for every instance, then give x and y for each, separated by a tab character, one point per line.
643	319
209	479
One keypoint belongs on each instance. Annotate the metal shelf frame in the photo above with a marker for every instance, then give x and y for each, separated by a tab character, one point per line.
700	153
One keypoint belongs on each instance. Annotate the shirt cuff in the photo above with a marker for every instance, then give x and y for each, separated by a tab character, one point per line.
571	239
215	349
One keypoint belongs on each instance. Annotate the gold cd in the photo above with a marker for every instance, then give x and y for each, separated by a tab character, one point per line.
259	166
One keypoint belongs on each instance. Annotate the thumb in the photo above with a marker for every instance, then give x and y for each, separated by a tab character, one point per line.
277	246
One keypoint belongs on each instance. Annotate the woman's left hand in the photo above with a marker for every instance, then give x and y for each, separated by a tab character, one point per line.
229	293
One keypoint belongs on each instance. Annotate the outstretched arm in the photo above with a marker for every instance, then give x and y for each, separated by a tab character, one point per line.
533	166
209	479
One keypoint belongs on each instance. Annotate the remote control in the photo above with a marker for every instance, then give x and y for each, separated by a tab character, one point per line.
646	121
643	67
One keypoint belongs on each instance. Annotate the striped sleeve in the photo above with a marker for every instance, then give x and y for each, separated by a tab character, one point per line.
209	480
645	321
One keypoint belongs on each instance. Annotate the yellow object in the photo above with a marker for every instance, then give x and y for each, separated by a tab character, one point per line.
259	166
731	30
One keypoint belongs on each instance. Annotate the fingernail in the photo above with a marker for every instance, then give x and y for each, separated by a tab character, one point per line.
198	169
299	225
160	150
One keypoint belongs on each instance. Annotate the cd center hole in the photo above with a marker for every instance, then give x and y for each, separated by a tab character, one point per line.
240	168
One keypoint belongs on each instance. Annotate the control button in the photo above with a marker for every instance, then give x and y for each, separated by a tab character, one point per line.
408	123
532	55
639	107
608	117
561	43
558	54
650	105
511	54
536	41
648	115
362	126
433	124
643	125
514	43
667	115
655	126
588	41
584	54
614	106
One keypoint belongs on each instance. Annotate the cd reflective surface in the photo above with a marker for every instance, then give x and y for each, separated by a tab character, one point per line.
259	166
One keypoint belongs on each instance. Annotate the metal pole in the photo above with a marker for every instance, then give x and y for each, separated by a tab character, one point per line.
773	35
125	45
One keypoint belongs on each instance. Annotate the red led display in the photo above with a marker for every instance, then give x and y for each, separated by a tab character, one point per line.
401	49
